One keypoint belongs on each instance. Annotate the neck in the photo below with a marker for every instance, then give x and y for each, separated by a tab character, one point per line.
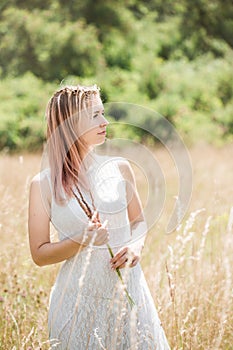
87	157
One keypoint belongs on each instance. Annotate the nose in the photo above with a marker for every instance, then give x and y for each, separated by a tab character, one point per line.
104	121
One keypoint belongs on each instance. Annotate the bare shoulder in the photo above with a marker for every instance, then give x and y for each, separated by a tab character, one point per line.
36	179
35	185
40	185
40	178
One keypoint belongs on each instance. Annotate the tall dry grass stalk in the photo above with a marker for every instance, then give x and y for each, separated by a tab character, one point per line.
189	272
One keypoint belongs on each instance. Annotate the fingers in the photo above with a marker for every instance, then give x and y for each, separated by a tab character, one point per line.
94	222
95	218
102	236
96	233
123	259
119	255
134	261
92	226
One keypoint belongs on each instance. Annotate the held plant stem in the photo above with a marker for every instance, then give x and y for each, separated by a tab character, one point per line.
131	302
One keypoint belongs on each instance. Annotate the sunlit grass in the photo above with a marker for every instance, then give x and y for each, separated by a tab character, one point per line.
189	272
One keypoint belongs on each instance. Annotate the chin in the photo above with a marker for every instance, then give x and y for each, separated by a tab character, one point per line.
100	142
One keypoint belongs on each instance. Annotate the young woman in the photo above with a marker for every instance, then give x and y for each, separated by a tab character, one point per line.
100	299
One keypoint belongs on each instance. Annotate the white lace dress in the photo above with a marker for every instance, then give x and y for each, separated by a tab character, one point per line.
88	307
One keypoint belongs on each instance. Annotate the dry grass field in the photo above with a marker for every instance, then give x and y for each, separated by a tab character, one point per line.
189	272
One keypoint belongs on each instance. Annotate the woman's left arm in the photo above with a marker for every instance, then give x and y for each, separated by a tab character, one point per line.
130	255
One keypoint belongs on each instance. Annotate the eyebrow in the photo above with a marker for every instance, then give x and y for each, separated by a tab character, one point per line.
99	111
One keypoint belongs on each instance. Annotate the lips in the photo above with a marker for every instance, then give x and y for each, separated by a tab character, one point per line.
102	132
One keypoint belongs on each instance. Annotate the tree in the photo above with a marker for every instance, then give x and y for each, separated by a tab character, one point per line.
34	41
205	21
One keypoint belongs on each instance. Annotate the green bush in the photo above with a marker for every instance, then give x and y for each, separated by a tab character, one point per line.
170	57
49	49
117	50
22	113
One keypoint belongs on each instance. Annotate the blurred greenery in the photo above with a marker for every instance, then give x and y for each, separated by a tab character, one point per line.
173	57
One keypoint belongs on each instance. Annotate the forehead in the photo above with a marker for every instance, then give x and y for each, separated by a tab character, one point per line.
96	102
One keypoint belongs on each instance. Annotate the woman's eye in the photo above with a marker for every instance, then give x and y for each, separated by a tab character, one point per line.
96	115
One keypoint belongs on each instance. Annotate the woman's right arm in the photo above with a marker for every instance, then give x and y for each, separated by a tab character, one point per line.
43	251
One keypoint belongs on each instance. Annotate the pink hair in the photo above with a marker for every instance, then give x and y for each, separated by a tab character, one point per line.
63	112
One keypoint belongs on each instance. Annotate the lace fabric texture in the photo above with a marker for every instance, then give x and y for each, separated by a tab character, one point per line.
88	308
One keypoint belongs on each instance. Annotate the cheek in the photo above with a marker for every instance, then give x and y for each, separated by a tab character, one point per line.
94	123
90	135
87	125
84	126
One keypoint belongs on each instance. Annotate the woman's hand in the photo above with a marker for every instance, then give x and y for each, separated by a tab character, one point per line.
96	233
125	257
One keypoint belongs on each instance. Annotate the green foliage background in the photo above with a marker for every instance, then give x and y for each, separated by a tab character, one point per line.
174	57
